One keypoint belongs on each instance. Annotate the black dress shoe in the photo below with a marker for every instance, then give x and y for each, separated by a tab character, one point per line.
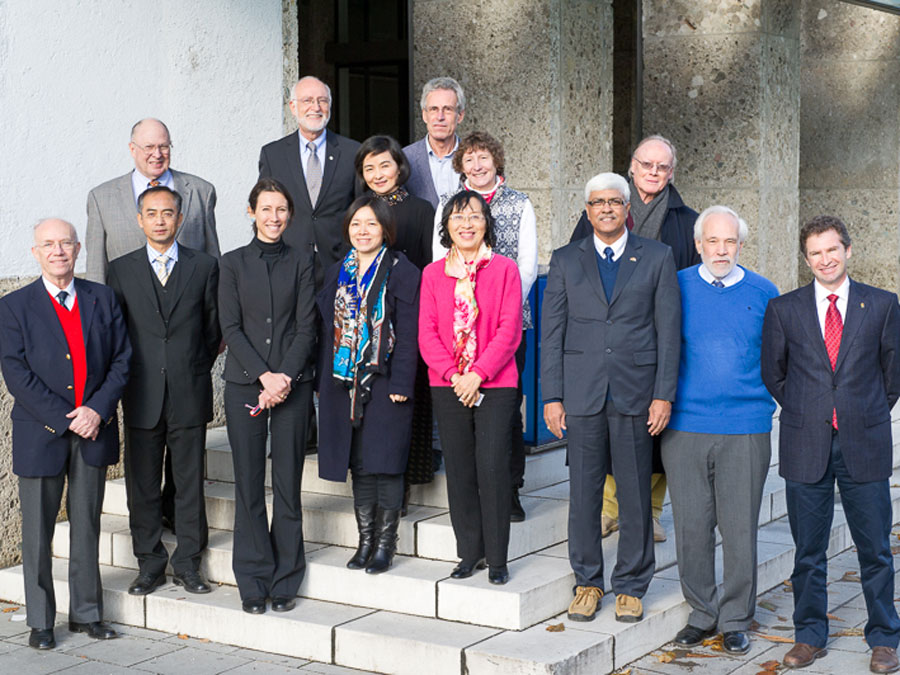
254	605
192	581
516	512
736	642
498	575
691	636
465	569
95	629
145	583
282	604
41	638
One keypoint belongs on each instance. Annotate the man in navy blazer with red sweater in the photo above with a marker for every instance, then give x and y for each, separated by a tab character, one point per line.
831	358
64	352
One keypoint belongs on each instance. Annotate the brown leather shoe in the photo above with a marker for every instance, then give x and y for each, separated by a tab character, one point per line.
584	606
884	660
629	608
802	654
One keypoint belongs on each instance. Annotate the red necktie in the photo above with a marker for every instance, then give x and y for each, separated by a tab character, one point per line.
834	327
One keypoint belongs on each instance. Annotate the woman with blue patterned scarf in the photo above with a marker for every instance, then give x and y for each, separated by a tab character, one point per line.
366	376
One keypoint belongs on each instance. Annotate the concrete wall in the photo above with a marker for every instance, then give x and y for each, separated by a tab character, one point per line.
721	80
538	76
850	131
75	76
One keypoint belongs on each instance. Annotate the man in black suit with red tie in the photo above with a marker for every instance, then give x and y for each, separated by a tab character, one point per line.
168	294
831	358
64	352
317	168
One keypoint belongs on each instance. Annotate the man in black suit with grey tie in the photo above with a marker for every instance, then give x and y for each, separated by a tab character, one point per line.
317	168
168	294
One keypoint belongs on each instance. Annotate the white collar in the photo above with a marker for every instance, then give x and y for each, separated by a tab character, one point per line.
172	252
618	246
730	279
842	291
54	290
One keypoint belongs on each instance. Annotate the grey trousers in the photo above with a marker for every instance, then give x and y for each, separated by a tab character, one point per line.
40	498
717	479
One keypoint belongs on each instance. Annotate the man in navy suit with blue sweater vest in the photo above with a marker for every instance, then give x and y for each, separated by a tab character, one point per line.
64	352
831	358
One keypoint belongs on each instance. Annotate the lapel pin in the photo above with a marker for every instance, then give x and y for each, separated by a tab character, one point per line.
862	305
632	259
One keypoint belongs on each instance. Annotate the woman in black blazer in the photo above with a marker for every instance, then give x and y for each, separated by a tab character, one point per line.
267	312
368	353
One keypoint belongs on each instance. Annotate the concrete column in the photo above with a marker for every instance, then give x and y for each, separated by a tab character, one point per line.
850	131
721	80
537	76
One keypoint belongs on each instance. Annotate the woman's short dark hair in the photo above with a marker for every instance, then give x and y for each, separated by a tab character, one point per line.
269	185
375	145
457	203
384	214
479	140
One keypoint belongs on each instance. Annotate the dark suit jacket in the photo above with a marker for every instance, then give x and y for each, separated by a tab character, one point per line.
863	387
112	228
267	325
386	426
37	369
630	345
420	182
317	225
677	230
173	351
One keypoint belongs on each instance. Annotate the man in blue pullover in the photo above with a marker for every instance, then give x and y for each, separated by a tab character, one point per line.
716	450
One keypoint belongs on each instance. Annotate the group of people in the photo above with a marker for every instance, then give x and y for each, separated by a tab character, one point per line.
391	285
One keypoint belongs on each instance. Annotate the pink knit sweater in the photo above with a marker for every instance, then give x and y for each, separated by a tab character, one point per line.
498	292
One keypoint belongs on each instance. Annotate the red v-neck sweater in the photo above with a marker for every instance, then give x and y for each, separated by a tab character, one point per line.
71	325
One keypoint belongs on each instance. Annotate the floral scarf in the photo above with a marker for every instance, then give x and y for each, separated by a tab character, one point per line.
363	339
465	309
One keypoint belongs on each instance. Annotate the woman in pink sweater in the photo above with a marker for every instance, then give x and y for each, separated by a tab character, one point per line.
470	324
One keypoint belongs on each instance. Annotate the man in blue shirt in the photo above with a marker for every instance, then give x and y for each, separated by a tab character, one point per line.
716	450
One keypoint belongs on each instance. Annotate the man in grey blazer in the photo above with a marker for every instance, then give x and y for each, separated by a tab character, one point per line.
431	158
611	331
112	229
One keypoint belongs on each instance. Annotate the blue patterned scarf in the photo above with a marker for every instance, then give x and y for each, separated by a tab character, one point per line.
363	340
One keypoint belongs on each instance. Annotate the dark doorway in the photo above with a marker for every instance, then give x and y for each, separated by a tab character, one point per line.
361	49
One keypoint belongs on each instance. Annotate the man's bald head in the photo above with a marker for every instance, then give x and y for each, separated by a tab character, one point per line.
56	249
151	147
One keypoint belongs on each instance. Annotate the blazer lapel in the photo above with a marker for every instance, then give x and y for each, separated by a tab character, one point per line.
295	171
856	314
809	319
332	154
187	264
183	187
423	168
589	263
86	302
42	304
127	204
627	264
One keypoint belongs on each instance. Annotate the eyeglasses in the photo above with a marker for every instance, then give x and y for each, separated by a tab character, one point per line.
615	203
323	101
447	110
50	246
648	166
164	148
460	218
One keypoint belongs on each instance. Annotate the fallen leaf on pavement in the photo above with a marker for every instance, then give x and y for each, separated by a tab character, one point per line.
666	657
833	617
713	641
7	610
848	632
851	575
787	585
776	638
555	628
695	655
770	666
765	604
184	636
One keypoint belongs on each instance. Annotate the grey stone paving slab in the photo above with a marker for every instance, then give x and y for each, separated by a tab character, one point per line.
126	650
277	659
97	668
7	647
263	668
27	660
327	669
137	631
200	643
194	661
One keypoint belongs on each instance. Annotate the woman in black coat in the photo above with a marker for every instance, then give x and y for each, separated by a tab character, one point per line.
366	375
382	169
267	312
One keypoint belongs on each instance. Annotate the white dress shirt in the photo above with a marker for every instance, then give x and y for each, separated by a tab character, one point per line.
730	279
822	302
445	179
618	246
140	182
54	290
305	153
172	252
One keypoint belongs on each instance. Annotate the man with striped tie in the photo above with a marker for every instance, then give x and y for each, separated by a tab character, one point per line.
831	358
168	294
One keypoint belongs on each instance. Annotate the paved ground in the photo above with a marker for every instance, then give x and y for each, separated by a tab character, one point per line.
144	651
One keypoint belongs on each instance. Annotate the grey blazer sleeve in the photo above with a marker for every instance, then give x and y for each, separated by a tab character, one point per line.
95	242
209	219
554	312
667	318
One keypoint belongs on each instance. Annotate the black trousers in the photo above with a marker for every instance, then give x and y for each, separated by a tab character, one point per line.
144	451
594	440
382	489
476	443
268	561
40	499
517	454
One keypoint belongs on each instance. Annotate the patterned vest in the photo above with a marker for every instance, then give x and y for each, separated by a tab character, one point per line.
506	207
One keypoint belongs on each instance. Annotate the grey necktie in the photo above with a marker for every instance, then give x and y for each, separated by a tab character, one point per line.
718	283
61	296
313	173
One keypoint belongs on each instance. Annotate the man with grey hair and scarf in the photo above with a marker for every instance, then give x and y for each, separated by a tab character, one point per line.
657	213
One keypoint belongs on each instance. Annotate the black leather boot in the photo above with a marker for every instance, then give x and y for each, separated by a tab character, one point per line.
386	524
365	523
